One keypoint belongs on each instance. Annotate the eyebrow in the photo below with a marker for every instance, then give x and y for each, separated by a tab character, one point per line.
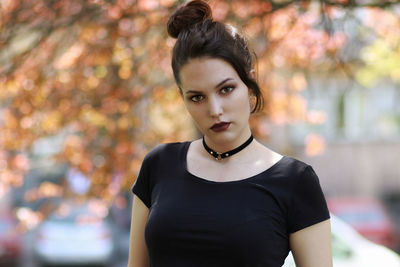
218	85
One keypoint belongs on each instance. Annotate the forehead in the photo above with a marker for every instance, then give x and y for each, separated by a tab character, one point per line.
203	73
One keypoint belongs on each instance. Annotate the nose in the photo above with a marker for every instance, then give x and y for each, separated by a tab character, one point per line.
215	107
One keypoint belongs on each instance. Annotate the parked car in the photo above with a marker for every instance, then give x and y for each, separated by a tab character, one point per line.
350	249
75	234
368	216
10	241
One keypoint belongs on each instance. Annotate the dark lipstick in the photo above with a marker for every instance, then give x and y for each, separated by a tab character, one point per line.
219	127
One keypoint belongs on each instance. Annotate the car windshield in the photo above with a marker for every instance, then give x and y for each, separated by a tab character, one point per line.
73	216
70	218
4	227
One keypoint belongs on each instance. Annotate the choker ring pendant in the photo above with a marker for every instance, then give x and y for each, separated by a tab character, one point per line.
220	156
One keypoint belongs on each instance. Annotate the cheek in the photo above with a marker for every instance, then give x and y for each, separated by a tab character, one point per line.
242	102
195	112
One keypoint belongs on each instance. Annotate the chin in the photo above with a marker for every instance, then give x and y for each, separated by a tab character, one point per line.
223	137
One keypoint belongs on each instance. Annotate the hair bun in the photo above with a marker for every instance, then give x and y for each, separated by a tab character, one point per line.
188	15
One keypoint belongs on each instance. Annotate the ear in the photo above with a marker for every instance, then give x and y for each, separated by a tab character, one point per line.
251	92
252	74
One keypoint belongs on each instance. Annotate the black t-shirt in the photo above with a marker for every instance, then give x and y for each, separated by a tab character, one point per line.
197	222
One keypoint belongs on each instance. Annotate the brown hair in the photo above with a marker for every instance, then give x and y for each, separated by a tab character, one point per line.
198	35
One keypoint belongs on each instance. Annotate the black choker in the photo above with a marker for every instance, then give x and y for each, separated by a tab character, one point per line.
219	156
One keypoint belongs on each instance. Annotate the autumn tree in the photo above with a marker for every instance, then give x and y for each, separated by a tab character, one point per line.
97	73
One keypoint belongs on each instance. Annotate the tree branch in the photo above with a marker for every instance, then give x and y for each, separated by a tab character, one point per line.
350	4
280	5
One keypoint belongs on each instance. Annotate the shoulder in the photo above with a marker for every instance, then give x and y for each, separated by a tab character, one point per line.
306	201
295	173
301	177
283	165
165	150
294	167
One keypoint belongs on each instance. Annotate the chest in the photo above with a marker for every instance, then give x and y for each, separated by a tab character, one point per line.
222	171
236	218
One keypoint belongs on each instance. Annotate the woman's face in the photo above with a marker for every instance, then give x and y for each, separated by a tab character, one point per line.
218	101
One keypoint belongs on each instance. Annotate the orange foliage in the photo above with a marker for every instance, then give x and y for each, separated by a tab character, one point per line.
98	73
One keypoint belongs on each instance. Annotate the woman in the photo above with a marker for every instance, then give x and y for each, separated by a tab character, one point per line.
247	206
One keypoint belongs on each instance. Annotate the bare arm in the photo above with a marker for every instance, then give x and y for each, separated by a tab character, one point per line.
311	246
138	255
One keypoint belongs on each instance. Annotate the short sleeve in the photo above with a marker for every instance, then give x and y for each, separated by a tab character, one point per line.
308	205
141	188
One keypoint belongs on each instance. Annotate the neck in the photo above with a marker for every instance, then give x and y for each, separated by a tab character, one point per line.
224	154
227	145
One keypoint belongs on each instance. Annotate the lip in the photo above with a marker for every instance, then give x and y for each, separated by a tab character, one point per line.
221	126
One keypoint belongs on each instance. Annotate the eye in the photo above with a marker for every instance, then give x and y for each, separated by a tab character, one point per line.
196	98
227	89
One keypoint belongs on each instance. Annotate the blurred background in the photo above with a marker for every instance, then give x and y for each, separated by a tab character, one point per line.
86	90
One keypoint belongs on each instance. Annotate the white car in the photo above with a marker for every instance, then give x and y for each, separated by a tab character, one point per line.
76	234
350	249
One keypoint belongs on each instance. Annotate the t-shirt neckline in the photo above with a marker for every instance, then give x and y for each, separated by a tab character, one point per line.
198	178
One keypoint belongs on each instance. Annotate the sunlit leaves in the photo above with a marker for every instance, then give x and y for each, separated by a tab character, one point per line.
45	190
298	82
382	55
315	145
51	121
28	217
86	75
316	117
69	57
98	72
170	116
381	60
